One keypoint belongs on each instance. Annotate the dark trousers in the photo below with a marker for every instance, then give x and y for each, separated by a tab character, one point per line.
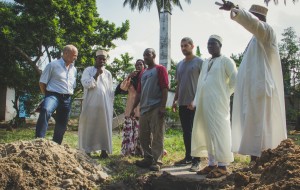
187	118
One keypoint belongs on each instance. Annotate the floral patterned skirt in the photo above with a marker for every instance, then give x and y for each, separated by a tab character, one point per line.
130	138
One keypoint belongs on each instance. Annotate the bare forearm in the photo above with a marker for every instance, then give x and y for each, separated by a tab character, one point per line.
136	101
176	95
42	87
164	97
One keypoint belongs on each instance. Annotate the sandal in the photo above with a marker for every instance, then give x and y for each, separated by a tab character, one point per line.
216	173
206	170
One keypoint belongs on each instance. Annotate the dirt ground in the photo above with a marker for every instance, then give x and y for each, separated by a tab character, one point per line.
43	164
275	169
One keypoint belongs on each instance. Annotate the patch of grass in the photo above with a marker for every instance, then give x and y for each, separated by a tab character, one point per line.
16	135
241	159
70	138
173	144
296	138
123	168
23	134
120	168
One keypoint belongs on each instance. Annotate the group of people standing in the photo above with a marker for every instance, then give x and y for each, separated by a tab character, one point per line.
202	95
258	111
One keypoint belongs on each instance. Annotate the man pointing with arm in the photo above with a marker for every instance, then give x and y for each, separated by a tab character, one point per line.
258	120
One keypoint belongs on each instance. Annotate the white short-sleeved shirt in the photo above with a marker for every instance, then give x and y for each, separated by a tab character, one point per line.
58	78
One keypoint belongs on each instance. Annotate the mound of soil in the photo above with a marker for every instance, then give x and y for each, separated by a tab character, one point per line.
278	168
43	164
275	169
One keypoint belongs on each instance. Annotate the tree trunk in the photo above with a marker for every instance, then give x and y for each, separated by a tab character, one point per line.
29	61
297	127
165	39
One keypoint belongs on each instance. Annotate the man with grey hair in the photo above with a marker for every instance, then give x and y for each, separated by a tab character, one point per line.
57	83
187	74
258	117
211	134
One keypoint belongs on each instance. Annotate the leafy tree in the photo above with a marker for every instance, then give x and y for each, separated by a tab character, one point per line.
198	53
289	49
120	68
16	75
237	59
146	4
34	33
289	53
165	8
172	73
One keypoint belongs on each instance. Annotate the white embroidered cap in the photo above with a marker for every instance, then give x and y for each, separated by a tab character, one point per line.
101	52
217	38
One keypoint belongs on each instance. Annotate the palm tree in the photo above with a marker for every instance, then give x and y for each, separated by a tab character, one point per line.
164	9
146	4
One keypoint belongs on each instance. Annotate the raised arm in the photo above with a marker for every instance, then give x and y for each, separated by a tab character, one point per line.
261	30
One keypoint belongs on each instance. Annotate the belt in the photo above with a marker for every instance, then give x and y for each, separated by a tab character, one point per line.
58	94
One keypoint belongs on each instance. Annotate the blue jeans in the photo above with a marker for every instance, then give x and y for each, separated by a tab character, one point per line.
62	105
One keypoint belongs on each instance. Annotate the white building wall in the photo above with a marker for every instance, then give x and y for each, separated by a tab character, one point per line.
10	112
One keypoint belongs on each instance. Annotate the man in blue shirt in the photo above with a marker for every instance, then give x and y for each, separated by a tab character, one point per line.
57	82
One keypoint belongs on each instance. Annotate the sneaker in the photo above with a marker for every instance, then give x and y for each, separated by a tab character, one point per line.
155	167
183	162
145	163
195	167
103	155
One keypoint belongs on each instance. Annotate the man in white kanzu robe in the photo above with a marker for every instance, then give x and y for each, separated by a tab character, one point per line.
95	123
258	120
211	129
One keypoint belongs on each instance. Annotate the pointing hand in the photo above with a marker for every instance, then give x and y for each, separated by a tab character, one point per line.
227	5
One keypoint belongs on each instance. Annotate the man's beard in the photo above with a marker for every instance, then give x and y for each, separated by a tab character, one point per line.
186	53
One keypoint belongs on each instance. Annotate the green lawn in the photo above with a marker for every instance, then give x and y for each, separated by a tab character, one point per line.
22	134
173	140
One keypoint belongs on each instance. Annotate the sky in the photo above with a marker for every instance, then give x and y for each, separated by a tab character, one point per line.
198	20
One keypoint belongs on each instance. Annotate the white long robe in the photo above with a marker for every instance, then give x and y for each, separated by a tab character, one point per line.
258	120
95	122
211	129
